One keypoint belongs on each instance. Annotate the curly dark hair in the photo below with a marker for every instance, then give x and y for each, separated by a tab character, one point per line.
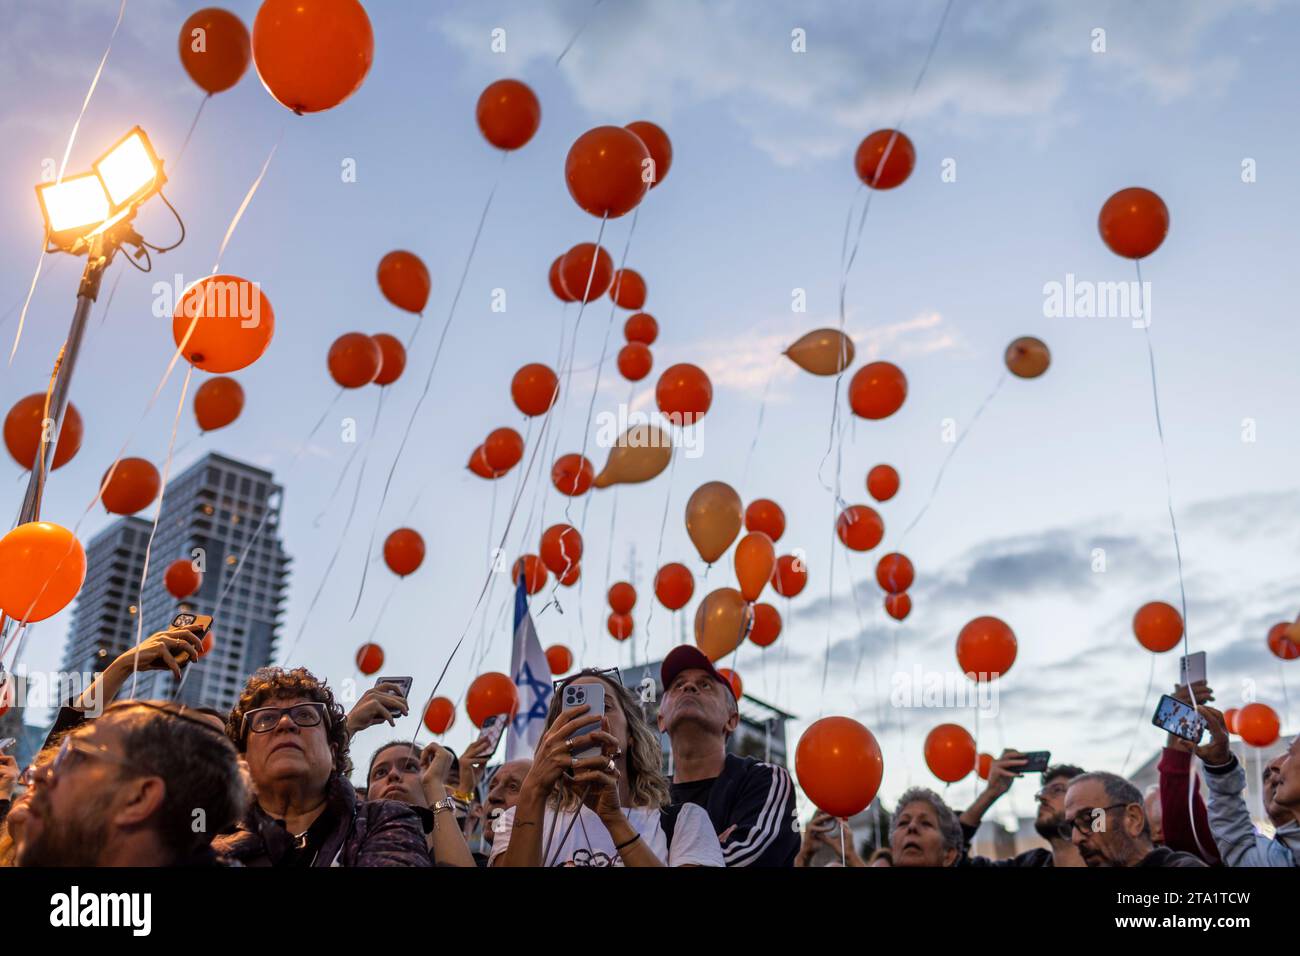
275	683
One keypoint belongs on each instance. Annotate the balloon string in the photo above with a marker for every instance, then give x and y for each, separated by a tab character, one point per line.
446	326
938	478
383	609
374	527
1142	711
185	145
153	530
758	427
338	549
329	504
112	292
248	198
1164	455
22	316
659	551
574	39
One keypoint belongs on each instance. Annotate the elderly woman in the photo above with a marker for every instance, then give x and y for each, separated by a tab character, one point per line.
610	809
924	831
294	739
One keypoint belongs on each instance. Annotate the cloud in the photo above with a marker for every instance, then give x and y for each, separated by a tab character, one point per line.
1011	61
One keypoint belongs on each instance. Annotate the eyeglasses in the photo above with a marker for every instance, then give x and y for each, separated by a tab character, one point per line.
1083	820
69	754
1052	790
612	672
265	719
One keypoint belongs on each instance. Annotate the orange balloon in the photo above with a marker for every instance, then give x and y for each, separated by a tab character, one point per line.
635	361
215	48
684	394
642	328
722	620
572	475
582	281
503	449
765	515
755	561
354	359
660	147
218	402
607	171
370	657
877	390
570	577
24	430
885	159
561	548
674	586
986	647
392	358
508	114
439	715
950	752
132	485
1134	222
42	567
534	572
1257	724
404	280
559	658
839	766
491	694
1028	357
713	519
898	606
860	527
622	598
1280	644
534	388
894	573
209	640
312	55
404	551
182	579
767	625
628	290
1230	719
1158	626
822	352
619	625
478	464
790	576
882	482
223	323
983	765
556	279
732	678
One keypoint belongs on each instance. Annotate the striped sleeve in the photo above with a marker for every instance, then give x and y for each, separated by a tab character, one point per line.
763	816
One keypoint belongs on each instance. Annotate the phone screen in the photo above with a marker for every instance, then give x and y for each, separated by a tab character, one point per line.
1178	719
493	729
1036	761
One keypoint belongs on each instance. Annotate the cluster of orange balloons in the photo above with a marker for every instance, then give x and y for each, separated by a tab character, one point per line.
635	359
561	552
622	598
501	450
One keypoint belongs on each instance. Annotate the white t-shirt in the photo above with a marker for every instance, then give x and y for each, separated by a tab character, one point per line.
588	843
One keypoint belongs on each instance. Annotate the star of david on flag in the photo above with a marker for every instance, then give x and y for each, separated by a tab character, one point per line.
532	677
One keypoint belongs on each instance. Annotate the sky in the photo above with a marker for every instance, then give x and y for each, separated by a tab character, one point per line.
1022	127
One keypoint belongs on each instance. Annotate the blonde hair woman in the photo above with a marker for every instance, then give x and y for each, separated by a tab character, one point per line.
607	810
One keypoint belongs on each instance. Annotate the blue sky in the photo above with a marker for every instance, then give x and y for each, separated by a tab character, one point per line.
1041	129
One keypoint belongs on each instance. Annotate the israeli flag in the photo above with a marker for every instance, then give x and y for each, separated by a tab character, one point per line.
532	676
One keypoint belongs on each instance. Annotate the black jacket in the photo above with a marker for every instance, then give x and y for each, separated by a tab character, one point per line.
1039	856
1163	856
758	800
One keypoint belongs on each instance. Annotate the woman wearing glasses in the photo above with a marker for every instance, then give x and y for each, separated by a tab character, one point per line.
610	809
305	813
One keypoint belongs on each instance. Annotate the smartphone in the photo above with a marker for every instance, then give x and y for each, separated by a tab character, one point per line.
1178	719
190	619
593	695
492	730
1036	761
400	685
1191	668
7	744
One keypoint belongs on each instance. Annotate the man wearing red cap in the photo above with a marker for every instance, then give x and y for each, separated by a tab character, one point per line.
751	803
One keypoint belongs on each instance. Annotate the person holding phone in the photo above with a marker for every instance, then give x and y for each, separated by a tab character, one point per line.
417	777
1167	808
1003	772
597	797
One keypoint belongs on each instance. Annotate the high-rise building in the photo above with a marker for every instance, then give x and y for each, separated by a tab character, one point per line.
211	514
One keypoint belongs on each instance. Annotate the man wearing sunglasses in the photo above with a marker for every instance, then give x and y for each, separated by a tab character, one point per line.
1105	817
147	784
1051	814
294	739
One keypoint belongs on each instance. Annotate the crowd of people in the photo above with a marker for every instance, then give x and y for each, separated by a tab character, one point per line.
158	783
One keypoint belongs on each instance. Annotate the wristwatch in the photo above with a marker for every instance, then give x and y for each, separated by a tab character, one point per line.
446	803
